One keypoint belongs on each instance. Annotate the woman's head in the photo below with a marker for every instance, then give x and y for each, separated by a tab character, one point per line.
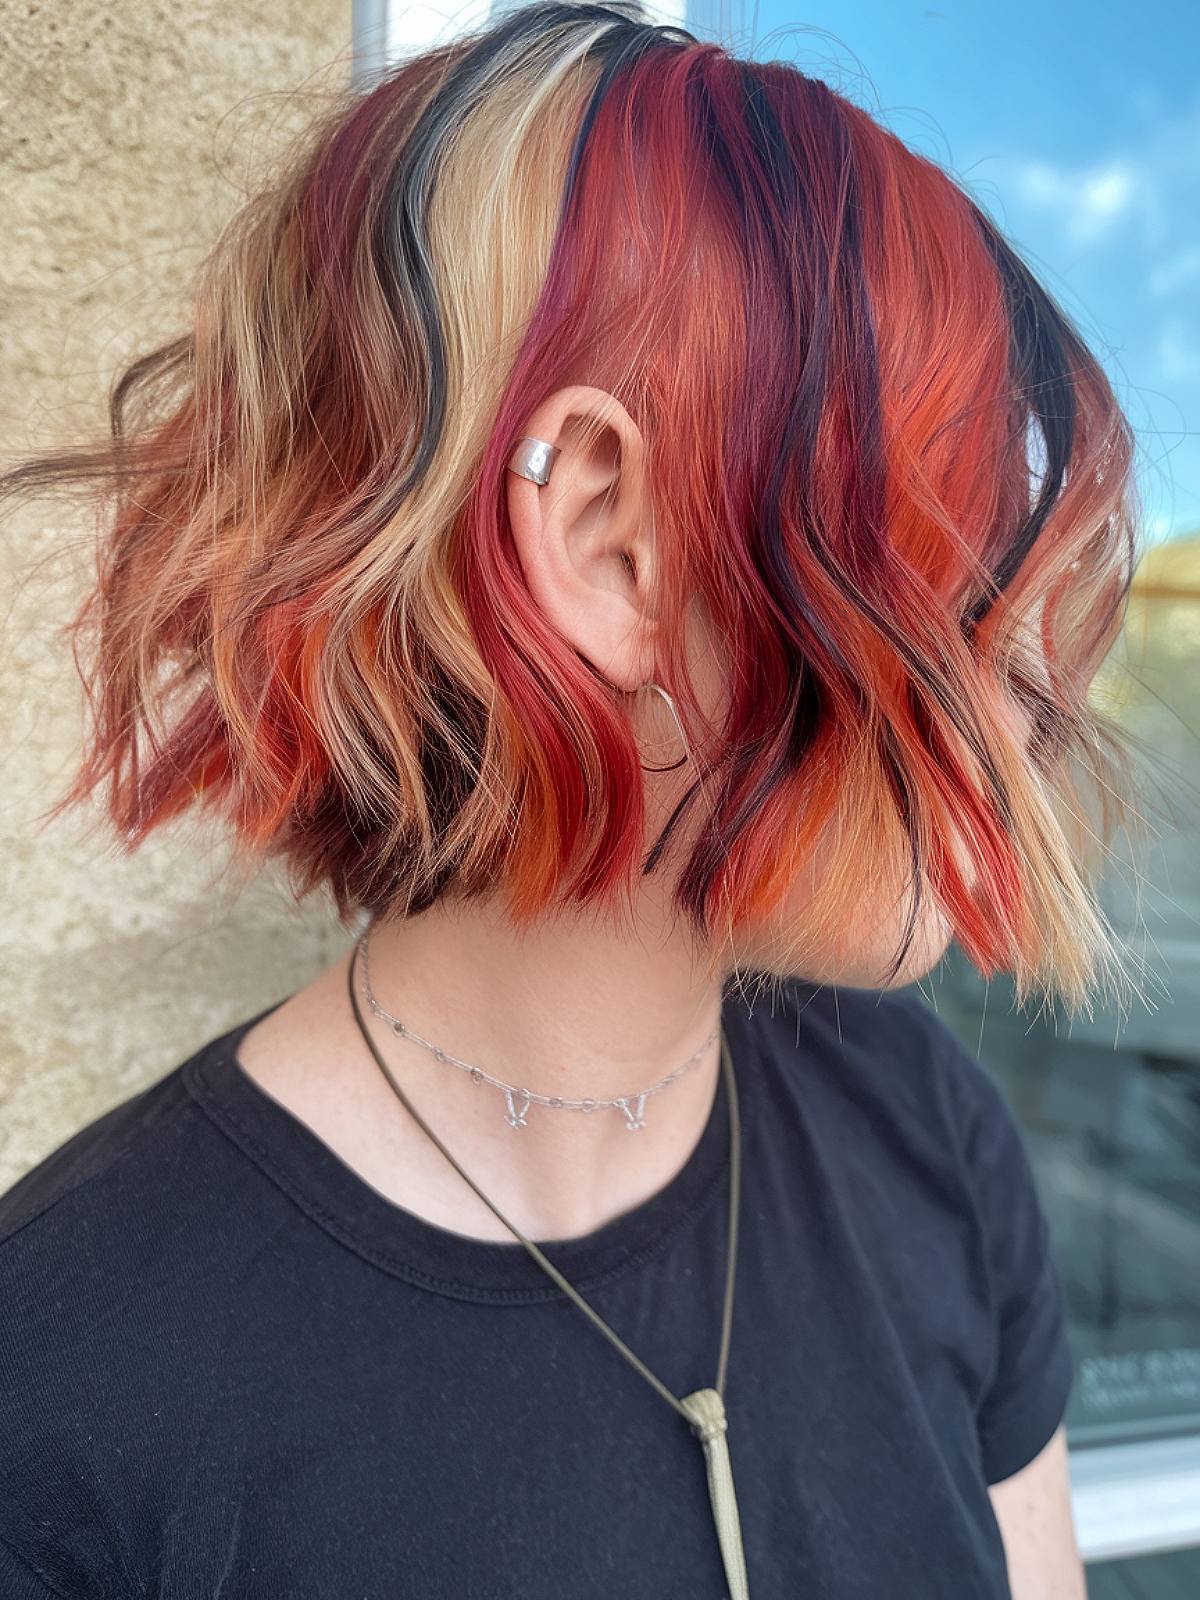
835	471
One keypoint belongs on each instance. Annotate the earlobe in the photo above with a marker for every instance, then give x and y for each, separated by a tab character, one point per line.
579	515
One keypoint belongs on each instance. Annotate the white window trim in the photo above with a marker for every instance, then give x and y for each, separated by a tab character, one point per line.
1136	1499
386	30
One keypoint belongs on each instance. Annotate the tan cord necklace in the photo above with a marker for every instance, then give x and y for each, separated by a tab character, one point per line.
704	1410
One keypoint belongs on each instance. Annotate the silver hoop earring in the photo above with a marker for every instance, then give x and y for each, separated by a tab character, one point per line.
533	459
687	754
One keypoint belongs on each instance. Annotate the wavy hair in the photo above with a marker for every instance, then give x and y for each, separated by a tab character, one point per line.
883	459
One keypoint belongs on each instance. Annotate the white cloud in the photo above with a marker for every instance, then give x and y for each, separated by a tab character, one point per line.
1147	187
1087	202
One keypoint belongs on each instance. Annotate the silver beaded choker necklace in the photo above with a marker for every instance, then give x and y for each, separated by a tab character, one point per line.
518	1099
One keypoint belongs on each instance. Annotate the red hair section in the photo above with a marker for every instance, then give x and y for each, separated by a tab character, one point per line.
813	325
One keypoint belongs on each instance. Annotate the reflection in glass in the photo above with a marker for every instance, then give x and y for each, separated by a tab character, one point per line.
1111	1105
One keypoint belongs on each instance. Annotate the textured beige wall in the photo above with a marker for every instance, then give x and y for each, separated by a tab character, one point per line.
128	132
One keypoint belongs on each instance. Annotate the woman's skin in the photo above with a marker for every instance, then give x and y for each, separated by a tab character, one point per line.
583	1004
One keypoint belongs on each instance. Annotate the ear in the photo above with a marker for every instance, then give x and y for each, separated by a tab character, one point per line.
584	538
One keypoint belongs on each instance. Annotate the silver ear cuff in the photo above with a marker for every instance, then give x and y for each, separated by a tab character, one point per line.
533	459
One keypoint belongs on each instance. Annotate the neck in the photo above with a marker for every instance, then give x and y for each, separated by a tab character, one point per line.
569	1008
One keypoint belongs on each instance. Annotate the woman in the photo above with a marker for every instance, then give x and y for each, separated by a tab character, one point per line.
639	537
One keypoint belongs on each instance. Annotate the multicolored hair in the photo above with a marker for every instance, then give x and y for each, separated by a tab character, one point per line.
883	458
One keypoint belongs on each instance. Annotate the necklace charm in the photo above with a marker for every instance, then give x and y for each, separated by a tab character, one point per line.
634	1108
706	1412
516	1113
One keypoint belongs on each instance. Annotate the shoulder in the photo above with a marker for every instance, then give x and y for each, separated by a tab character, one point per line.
892	1024
130	1259
886	1050
918	1136
100	1156
905	1114
123	1255
119	1182
109	1242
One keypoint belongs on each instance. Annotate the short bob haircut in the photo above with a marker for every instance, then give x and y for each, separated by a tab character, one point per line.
882	458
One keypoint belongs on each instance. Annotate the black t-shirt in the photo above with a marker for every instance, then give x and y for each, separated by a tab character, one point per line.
230	1367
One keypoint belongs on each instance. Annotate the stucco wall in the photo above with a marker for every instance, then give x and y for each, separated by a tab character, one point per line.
128	131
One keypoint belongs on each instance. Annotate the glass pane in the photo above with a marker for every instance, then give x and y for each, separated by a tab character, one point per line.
1172	1576
1114	1135
1111	1106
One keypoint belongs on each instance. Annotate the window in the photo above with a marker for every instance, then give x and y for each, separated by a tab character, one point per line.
1111	1106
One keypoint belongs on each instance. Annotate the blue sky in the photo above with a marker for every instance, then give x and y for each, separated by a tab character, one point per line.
1077	126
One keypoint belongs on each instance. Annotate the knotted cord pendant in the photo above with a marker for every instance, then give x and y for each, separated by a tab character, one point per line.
703	1409
706	1411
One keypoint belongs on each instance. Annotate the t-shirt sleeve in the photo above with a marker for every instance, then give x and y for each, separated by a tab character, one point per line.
1032	1372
